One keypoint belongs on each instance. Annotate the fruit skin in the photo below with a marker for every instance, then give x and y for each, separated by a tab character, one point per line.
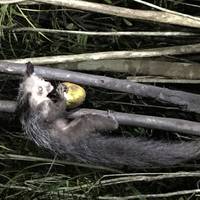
74	95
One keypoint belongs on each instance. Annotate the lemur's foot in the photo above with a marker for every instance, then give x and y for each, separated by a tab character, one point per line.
112	117
100	122
61	89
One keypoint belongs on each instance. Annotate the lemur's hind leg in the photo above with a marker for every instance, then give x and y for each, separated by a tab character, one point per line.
97	123
84	126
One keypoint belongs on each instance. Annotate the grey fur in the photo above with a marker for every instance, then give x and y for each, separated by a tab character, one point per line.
80	140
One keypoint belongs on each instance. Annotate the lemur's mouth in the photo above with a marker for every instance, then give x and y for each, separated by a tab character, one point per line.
50	87
51	93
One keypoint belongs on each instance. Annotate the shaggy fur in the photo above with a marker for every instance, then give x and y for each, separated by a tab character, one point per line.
81	139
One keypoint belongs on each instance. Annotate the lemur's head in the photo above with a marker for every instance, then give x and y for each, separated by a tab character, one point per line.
34	87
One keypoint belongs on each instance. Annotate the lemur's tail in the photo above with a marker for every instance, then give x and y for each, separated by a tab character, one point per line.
132	152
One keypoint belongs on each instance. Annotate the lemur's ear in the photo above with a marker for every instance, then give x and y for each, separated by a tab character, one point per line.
29	69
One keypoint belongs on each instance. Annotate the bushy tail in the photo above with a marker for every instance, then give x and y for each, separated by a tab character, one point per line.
118	152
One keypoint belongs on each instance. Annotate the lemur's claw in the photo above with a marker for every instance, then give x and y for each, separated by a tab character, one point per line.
61	89
110	113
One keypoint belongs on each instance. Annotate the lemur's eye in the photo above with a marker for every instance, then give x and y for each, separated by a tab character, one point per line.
40	90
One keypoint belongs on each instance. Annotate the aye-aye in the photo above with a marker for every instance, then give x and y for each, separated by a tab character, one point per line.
81	139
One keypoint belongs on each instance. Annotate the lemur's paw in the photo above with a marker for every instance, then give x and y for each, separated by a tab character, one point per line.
61	89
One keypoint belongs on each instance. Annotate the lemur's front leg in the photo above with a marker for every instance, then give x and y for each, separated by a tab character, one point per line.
89	123
61	103
58	108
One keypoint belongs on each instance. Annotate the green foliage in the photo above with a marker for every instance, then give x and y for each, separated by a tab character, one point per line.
6	17
108	1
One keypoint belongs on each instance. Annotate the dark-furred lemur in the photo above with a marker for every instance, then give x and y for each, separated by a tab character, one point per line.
81	139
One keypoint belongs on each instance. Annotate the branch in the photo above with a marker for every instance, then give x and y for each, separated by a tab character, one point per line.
187	101
175	50
139	67
167	124
152	122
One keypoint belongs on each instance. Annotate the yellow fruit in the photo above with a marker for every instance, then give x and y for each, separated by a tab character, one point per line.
75	95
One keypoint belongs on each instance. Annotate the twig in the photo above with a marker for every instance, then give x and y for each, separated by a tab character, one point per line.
108	180
155	16
112	33
15	187
187	4
143	196
29	22
7	106
168	124
144	79
166	10
11	1
175	50
126	12
187	101
46	160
